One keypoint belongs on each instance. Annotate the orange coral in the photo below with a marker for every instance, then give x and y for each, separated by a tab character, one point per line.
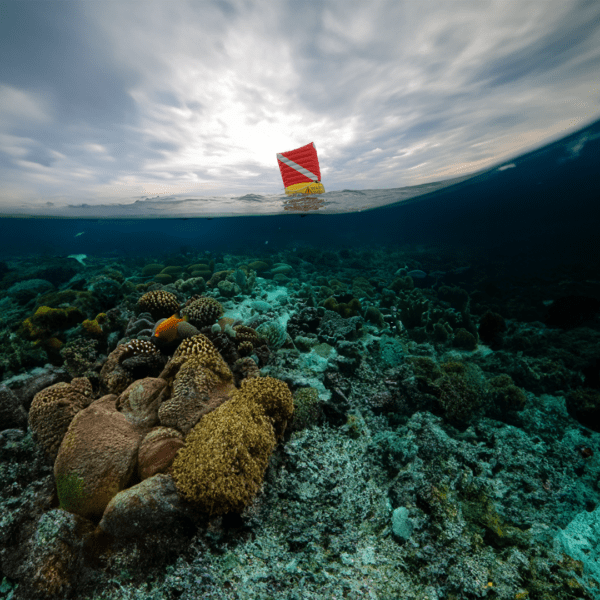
167	330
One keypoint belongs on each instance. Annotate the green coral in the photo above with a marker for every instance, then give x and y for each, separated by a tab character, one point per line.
47	320
307	408
70	490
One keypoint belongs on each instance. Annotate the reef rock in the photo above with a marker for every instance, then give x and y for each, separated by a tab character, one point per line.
153	503
12	413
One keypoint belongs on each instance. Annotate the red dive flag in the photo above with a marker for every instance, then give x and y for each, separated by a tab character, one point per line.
300	170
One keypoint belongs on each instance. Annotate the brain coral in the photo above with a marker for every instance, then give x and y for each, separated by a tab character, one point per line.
53	409
222	465
203	311
159	303
201	381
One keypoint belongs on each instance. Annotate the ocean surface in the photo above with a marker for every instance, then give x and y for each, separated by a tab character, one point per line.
433	430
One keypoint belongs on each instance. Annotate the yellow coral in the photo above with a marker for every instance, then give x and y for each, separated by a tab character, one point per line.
92	328
222	465
46	320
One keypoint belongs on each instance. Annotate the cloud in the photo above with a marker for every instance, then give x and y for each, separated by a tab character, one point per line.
113	102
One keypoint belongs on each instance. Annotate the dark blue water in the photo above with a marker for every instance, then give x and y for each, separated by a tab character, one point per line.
545	208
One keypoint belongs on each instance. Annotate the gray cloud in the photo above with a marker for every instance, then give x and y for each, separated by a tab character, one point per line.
108	103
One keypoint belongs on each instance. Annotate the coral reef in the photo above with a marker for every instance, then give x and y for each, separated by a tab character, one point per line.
223	462
438	439
53	409
158	303
203	311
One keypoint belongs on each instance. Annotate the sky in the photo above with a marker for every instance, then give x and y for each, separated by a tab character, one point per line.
114	102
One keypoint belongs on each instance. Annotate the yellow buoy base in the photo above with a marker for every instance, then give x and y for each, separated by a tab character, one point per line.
313	187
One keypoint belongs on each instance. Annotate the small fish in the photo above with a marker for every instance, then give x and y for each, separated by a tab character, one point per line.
78	234
166	330
417	274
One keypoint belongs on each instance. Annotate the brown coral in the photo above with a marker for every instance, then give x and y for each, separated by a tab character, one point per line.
203	311
114	378
157	451
137	347
96	458
247	334
53	409
245	368
245	349
201	381
222	465
159	303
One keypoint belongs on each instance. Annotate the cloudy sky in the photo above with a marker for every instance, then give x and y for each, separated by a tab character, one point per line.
104	101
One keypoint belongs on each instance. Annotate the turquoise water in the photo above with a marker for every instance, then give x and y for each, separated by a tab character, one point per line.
440	345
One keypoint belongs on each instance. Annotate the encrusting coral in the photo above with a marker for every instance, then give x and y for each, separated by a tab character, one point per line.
223	463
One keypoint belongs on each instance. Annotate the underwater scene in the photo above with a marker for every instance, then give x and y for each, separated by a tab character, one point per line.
299	300
396	403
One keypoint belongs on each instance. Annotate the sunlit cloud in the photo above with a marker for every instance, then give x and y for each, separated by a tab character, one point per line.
172	99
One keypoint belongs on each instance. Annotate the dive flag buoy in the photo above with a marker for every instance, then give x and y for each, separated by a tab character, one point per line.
300	170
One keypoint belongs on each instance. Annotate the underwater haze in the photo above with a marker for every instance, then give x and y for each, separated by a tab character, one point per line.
390	390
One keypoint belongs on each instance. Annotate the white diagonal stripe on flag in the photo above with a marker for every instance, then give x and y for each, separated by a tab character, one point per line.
291	163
